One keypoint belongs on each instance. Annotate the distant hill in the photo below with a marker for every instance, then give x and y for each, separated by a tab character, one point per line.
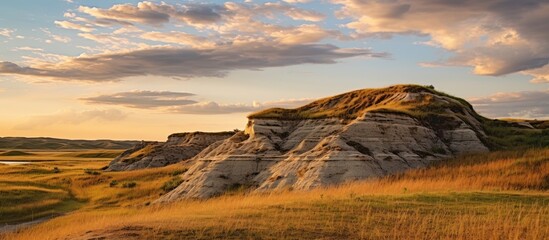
59	144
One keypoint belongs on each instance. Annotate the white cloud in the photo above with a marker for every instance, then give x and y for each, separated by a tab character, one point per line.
223	38
297	1
74	26
6	32
541	75
72	117
143	99
217	108
181	103
55	37
29	49
179	38
526	104
495	37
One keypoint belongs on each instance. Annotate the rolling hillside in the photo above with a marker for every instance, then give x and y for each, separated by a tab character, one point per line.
62	144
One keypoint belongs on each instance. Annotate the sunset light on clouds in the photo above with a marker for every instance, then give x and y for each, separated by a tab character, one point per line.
144	69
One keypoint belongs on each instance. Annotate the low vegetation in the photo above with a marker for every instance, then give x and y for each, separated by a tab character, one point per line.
15	153
505	135
354	104
45	143
499	195
172	184
91	172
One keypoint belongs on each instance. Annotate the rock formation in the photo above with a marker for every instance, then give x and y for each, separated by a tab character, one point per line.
178	147
357	135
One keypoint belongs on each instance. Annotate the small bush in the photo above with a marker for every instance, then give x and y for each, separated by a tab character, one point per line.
179	172
56	170
129	185
172	184
113	183
91	172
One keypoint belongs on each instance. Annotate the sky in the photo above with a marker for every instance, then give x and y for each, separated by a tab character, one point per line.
142	70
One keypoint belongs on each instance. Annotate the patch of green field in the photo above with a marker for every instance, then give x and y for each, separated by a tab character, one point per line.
21	205
16	153
502	135
92	154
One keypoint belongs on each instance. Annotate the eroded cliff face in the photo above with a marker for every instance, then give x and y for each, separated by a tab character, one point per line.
306	153
177	148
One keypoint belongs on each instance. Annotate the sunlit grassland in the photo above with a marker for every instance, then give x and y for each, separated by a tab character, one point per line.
500	195
58	182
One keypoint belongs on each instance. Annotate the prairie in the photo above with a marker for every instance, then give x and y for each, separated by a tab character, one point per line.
499	195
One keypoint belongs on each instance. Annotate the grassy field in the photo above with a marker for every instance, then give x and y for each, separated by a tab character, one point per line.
500	195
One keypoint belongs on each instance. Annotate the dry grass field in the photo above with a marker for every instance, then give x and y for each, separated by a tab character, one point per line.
500	195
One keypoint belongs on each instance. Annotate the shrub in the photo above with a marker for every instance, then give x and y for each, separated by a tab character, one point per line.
179	172
91	172
172	184
129	185
113	183
56	170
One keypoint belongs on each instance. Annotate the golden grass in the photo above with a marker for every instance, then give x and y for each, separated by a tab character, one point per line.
501	195
353	104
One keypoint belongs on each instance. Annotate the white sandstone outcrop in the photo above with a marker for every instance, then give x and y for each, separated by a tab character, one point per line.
178	147
301	153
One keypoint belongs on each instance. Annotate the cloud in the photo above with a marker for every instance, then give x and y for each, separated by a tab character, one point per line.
74	26
302	34
291	11
193	14
55	37
28	49
495	37
183	62
218	39
73	117
526	104
297	1
156	14
179	38
6	32
143	99
110	41
207	108
179	103
541	75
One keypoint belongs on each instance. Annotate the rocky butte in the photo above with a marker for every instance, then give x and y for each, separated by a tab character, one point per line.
352	136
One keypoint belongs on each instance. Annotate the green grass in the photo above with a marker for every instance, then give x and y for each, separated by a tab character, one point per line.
45	143
15	153
354	104
504	135
29	204
172	184
95	155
